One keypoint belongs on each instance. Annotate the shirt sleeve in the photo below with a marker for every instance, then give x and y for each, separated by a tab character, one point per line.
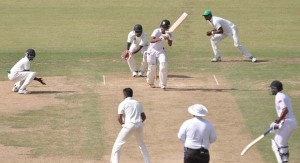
213	135
129	38
27	65
281	102
121	108
155	34
182	132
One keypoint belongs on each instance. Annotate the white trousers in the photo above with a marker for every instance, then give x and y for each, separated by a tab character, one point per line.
163	67
131	62
23	78
216	38
283	134
125	133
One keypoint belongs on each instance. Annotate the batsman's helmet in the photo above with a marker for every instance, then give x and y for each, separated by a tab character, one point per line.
277	84
165	24
138	28
30	54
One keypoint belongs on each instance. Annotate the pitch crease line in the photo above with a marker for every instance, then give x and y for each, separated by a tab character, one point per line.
103	80
216	80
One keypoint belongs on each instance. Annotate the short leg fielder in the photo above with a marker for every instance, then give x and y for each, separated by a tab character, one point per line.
23	79
131	61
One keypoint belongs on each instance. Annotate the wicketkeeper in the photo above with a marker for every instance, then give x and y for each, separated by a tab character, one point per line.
137	41
21	73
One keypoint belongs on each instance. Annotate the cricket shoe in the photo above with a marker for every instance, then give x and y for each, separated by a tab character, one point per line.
151	85
134	74
140	74
218	59
15	89
23	91
253	59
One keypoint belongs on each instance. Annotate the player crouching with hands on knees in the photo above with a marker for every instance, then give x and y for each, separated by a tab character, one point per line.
137	41
157	50
197	134
284	125
21	73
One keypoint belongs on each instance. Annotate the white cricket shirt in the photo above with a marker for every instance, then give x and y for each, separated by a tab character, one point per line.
217	22
196	133
283	101
131	110
21	65
138	41
160	44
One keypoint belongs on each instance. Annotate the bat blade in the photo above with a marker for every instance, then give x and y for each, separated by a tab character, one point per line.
178	22
255	141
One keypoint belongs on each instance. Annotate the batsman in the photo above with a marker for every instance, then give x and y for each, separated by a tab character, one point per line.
284	125
155	51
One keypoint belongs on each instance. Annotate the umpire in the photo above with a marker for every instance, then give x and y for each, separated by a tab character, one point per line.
197	134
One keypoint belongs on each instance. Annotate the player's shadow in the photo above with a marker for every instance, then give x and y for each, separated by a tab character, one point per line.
51	92
237	60
202	89
178	76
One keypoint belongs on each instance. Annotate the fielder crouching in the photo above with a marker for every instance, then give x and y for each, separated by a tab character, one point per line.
21	73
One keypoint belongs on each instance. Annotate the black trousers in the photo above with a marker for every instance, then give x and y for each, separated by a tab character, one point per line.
196	155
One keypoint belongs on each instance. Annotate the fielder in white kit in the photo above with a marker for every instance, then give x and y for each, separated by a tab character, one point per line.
21	73
157	50
137	41
223	28
131	116
284	125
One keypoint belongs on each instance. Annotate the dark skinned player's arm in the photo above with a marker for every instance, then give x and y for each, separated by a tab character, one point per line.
120	119
283	114
143	115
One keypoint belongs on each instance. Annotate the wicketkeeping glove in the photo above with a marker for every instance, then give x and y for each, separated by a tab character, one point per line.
125	54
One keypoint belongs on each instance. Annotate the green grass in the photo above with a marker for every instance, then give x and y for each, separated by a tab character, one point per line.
67	33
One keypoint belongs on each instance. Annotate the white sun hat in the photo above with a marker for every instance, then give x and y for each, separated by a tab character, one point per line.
198	110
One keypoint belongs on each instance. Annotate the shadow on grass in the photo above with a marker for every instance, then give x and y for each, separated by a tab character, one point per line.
202	89
236	60
210	89
51	92
178	76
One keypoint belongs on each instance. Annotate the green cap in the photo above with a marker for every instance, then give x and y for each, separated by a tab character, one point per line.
207	12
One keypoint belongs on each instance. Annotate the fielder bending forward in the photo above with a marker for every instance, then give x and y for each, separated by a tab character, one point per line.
156	50
134	116
224	28
137	41
284	125
21	73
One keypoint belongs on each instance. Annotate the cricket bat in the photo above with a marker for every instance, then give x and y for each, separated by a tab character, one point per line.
178	22
255	141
